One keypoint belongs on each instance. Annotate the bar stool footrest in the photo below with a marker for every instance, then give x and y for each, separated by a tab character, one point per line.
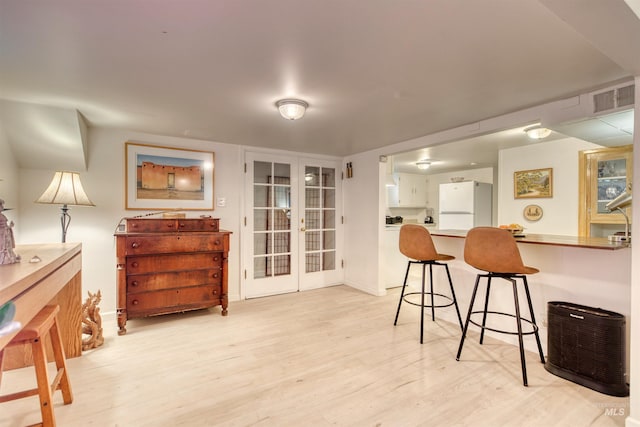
417	304
502	331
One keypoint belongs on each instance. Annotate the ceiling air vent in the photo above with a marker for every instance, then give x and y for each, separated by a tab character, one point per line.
604	101
613	99
626	96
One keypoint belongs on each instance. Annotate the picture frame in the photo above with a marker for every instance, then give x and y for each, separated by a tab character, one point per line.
166	178
533	184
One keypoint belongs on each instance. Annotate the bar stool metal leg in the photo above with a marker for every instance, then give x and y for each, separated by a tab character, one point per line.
519	325
486	306
404	286
433	308
422	306
453	294
466	322
533	318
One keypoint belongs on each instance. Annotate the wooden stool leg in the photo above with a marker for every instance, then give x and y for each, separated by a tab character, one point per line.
44	389
1	364
61	363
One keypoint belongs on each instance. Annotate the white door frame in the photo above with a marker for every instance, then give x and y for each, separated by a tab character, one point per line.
303	280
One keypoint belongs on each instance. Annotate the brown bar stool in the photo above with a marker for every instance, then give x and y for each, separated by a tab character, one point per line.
33	333
416	243
495	251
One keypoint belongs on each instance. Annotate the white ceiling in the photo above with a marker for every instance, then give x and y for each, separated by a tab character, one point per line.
374	72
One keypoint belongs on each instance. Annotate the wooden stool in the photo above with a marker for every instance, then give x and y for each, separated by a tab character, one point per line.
33	333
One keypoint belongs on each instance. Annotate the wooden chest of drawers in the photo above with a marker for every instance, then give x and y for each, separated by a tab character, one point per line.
169	266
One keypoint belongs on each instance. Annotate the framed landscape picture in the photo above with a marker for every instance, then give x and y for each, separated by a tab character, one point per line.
164	178
531	184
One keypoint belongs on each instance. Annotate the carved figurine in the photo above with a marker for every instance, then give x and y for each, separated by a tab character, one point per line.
92	322
7	242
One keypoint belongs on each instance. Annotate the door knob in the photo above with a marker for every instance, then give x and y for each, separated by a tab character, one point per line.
303	229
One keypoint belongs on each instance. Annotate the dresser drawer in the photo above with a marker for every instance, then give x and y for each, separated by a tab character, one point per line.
153	225
172	300
200	224
173	279
173	262
174	243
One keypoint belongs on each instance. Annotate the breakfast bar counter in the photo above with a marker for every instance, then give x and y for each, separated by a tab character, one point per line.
550	239
581	270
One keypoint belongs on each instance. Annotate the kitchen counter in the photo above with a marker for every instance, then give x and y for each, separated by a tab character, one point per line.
587	271
536	239
549	239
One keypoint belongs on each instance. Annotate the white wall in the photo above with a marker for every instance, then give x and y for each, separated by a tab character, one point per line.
364	200
104	183
634	417
560	212
8	180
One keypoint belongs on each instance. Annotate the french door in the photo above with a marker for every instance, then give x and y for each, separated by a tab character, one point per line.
293	232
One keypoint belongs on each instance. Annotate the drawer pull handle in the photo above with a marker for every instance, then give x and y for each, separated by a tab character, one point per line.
217	242
134	264
215	292
134	302
135	244
134	283
215	258
215	275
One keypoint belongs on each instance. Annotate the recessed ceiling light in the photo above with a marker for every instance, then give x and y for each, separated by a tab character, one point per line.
537	132
423	164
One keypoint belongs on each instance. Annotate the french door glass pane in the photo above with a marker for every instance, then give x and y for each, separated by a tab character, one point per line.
281	265
261	196
312	262
329	260
329	198
328	177
271	219
261	219
312	198
329	239
312	218
260	267
320	217
262	243
262	172
312	176
282	173
312	240
329	218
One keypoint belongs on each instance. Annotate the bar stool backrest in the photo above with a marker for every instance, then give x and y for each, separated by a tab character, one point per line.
494	250
416	243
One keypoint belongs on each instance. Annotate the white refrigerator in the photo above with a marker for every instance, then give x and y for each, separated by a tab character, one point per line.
464	205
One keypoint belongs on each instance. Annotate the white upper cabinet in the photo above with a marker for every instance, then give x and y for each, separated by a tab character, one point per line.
410	192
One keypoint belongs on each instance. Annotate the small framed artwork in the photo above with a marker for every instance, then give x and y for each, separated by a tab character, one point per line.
531	184
164	178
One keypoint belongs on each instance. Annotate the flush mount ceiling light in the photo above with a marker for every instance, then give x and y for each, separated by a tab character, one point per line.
292	109
537	132
423	164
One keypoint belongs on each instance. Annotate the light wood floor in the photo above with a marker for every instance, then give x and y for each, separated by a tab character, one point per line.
317	358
